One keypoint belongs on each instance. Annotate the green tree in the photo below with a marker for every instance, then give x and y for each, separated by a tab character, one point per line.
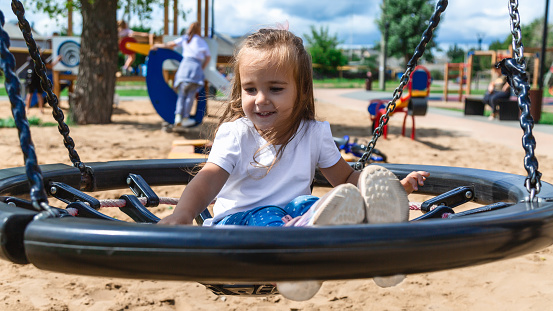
497	45
92	100
324	50
456	54
532	35
406	20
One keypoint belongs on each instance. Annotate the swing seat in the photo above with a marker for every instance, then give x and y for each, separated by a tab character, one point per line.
413	102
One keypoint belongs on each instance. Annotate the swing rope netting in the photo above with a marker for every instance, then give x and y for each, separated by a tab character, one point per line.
515	70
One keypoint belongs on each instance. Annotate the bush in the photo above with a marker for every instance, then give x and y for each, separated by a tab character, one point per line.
437	74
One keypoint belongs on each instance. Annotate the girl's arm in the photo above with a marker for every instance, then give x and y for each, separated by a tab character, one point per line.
197	195
340	173
166	45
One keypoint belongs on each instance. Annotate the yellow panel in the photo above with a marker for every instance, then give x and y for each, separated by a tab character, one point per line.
140	48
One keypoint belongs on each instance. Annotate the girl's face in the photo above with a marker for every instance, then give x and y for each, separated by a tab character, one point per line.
268	90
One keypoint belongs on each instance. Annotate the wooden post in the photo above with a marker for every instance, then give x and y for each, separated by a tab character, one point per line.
56	82
166	17
206	19
199	14
461	76
469	75
446	80
535	74
175	17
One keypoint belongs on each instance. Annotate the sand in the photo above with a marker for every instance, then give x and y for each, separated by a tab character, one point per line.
522	283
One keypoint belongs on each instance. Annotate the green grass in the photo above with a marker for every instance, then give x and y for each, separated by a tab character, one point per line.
121	92
33	121
546	118
134	92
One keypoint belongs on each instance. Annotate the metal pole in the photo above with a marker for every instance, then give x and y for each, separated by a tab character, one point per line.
543	47
212	18
383	44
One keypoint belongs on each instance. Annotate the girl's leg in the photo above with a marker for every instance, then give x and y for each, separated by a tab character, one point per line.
189	98
263	216
129	61
28	101
386	202
495	98
300	205
180	104
342	205
40	100
493	102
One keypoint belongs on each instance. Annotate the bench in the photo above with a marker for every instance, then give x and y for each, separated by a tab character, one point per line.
508	107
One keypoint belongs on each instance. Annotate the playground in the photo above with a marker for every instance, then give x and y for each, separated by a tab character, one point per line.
491	253
521	283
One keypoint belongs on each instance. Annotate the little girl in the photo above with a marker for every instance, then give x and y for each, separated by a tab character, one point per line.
267	147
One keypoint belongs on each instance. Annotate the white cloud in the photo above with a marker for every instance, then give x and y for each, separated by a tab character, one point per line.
351	20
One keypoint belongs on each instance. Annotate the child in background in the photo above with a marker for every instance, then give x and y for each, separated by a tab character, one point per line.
124	31
33	82
189	77
267	147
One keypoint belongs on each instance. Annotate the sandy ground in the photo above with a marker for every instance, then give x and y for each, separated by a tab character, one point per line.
523	283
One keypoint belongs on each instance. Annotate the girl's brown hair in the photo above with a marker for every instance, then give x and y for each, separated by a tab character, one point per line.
122	24
194	29
289	53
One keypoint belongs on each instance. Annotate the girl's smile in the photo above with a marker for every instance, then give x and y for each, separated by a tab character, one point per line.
268	91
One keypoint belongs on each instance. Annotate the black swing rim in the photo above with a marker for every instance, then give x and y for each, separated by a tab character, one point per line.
258	254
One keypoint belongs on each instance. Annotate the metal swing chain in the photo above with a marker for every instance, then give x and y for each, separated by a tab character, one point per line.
40	69
38	194
518	48
419	50
518	80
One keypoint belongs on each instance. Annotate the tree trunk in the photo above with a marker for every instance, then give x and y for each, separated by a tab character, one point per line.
92	100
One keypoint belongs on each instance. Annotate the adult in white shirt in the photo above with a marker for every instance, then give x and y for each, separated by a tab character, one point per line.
190	74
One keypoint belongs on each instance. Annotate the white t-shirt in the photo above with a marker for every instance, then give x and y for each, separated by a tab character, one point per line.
197	47
127	32
249	185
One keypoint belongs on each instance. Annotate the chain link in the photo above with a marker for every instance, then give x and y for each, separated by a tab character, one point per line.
38	194
518	48
419	50
516	74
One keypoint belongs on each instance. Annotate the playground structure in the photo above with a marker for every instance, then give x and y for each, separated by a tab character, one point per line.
463	72
64	74
512	222
413	102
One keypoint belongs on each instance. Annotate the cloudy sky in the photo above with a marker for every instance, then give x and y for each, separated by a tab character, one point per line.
352	20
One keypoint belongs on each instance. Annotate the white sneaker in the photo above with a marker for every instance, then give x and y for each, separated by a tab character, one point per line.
300	290
188	122
386	202
342	205
178	120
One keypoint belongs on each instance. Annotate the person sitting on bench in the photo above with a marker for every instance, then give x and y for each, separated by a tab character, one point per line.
498	89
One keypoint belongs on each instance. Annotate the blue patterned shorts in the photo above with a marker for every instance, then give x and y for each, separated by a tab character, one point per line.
270	215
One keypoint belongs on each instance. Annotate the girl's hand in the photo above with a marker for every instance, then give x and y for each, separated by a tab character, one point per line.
412	181
177	219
